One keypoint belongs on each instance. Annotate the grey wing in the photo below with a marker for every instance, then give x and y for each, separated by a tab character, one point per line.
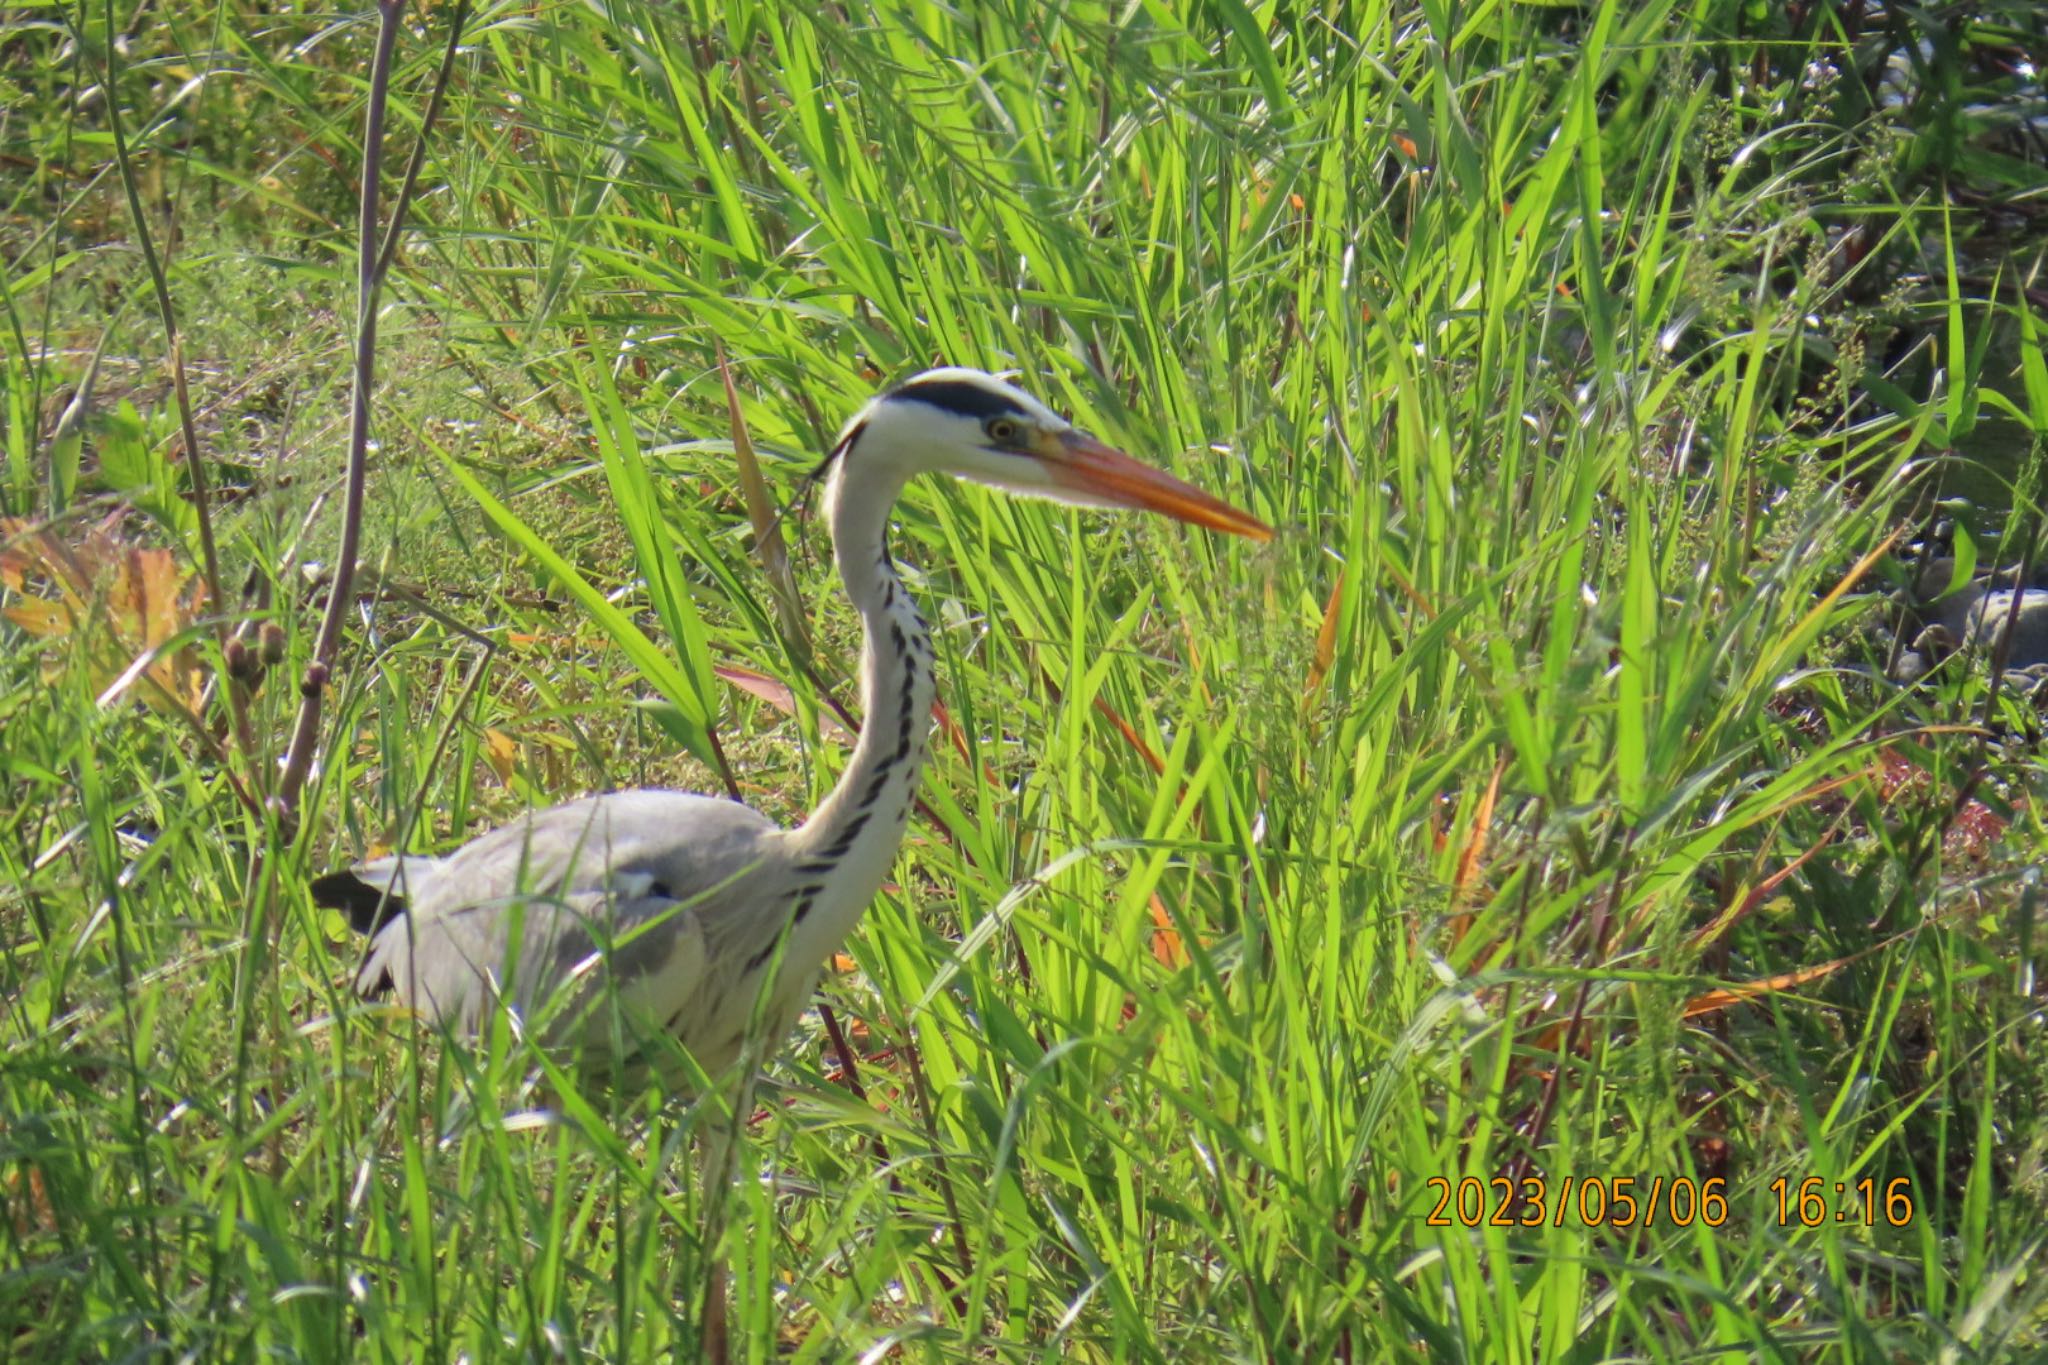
543	911
547	955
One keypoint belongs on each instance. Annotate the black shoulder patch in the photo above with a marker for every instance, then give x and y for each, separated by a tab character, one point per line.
961	397
367	907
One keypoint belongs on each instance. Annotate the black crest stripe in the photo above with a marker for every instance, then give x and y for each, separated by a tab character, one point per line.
965	399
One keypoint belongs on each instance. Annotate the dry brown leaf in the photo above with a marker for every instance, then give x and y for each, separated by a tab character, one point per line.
768	544
777	694
501	751
1326	639
1463	892
39	618
1167	947
34	1214
117	601
959	738
1750	990
1131	737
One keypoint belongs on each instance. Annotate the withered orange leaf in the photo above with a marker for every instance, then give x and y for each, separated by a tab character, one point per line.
118	602
1326	638
1750	990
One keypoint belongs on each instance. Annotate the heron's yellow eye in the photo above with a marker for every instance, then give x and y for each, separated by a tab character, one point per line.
1003	431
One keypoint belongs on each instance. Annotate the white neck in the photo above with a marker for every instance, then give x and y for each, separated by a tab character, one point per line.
851	839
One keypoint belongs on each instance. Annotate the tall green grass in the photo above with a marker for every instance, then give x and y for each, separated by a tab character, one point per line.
1260	885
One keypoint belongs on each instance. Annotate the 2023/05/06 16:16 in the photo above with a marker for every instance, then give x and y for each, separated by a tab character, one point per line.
1817	1201
1625	1201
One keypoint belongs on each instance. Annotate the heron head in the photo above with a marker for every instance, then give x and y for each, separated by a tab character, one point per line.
975	426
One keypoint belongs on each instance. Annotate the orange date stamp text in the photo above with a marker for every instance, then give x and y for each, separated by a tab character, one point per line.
1622	1201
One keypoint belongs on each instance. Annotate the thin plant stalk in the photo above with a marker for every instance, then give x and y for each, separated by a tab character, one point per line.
389	249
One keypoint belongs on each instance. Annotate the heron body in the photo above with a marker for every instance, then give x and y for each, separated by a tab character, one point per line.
687	910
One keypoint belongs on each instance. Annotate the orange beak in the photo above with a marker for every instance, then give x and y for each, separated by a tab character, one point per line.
1080	462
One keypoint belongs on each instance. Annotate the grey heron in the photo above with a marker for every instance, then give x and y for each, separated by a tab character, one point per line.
692	908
